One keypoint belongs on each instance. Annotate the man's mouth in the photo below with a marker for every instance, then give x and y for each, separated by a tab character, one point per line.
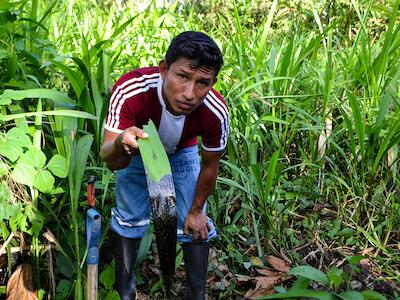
185	105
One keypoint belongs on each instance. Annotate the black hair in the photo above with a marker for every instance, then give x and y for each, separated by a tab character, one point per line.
197	47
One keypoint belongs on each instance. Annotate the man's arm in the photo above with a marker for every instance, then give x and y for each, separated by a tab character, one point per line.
118	149
196	220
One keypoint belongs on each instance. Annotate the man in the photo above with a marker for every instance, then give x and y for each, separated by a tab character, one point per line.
178	97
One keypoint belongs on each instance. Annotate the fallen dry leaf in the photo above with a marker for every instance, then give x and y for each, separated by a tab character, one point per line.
225	281
141	296
48	235
248	294
213	256
267	283
264	286
211	278
371	267
21	284
266	272
278	263
368	251
243	278
223	268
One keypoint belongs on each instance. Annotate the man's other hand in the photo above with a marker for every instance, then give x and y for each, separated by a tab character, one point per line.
196	222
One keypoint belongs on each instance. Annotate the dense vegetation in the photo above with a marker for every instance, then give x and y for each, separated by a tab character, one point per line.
311	173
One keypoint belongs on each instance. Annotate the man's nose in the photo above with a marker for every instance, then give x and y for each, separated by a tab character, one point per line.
188	92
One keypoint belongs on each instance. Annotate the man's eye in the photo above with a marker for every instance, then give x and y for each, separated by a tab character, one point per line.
182	76
202	83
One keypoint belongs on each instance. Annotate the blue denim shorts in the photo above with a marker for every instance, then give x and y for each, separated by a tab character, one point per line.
131	216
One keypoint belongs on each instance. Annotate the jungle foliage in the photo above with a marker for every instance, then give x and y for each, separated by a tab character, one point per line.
311	172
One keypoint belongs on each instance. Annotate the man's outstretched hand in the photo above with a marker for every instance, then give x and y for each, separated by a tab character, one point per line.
128	139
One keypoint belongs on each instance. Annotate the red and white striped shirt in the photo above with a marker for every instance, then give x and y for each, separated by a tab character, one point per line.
137	98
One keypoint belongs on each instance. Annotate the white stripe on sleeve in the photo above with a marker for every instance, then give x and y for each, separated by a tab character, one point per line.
128	89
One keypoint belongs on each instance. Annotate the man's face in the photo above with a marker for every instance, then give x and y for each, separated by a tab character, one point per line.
185	86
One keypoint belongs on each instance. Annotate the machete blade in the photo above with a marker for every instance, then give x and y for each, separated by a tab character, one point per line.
161	189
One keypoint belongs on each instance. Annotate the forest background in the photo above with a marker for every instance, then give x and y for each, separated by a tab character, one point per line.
308	197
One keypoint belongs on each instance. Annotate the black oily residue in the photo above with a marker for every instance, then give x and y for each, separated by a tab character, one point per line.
165	227
16	260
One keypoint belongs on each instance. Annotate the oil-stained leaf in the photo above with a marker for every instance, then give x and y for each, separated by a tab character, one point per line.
153	154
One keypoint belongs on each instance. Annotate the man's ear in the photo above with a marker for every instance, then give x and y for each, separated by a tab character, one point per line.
163	69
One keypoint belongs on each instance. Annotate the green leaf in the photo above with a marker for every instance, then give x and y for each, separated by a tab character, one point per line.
113	295
64	288
322	295
63	112
345	232
63	266
358	121
10	151
233	183
4	5
16	136
35	218
78	166
19	222
384	106
153	154
145	245
354	260
274	120
57	191
58	166
37	93
23	174
107	277
74	77
5	101
44	181
12	64
372	295
310	273
301	283
351	295
271	173
3	52
5	211
262	41
33	157
5	193
335	277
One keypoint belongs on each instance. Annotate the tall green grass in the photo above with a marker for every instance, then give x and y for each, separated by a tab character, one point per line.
314	109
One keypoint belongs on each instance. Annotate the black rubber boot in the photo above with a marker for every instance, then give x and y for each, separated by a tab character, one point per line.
125	257
195	256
